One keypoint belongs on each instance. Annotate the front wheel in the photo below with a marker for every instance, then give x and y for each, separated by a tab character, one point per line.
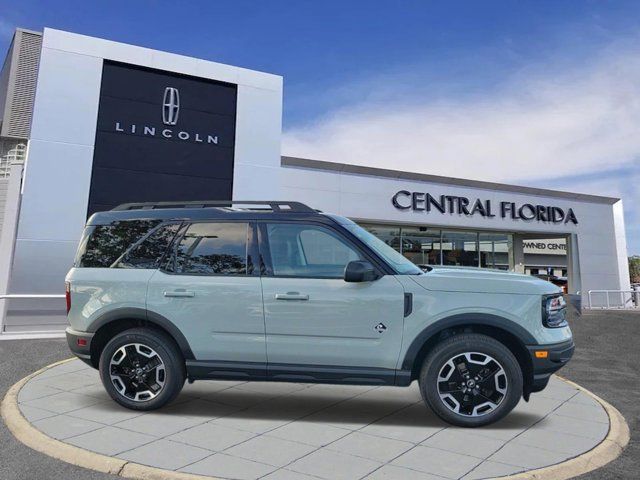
142	369
471	380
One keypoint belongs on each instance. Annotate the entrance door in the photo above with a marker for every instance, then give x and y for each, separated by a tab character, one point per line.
314	319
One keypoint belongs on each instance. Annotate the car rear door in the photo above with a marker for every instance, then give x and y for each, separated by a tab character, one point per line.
314	319
209	289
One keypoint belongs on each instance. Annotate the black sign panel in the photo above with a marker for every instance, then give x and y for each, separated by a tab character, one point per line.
161	137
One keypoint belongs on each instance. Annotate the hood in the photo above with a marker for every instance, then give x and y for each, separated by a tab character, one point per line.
481	280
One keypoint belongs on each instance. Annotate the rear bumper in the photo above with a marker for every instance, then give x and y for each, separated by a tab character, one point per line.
80	344
558	355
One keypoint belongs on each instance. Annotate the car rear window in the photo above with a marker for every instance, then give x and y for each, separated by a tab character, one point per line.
102	245
211	249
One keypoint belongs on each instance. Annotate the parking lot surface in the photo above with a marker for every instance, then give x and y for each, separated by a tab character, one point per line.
256	430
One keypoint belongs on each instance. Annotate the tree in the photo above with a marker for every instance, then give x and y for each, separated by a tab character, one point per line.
634	268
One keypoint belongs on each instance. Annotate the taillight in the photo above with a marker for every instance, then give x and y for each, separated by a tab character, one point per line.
67	294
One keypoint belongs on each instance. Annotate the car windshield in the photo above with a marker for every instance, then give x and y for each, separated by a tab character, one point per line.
394	258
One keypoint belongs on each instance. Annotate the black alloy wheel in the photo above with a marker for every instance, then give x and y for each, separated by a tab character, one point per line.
471	380
137	372
472	384
142	369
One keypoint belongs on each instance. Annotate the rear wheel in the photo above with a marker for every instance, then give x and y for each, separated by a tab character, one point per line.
471	380
142	369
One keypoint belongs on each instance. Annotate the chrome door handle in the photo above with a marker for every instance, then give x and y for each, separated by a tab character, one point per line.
291	296
180	293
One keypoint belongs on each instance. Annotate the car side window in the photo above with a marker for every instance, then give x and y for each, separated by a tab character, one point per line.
211	249
150	251
310	251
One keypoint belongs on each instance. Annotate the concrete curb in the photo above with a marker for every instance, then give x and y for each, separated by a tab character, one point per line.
609	449
38	441
606	451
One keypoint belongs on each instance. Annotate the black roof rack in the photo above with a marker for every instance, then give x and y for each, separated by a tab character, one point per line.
276	207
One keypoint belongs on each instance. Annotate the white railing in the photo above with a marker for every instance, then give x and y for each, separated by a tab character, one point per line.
622	299
29	295
26	335
16	155
15	296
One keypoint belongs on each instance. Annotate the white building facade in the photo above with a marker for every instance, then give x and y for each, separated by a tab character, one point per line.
112	123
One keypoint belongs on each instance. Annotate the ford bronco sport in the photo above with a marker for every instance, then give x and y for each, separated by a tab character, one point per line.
276	291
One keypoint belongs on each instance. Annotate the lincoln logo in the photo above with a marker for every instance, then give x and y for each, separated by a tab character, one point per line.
170	106
170	111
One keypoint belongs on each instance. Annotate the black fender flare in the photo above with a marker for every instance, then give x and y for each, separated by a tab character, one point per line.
132	313
465	319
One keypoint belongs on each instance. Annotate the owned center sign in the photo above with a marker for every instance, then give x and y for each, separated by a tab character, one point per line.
451	204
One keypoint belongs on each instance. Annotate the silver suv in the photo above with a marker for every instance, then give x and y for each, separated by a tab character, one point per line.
276	291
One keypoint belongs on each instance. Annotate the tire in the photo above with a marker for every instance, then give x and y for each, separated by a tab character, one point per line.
142	369
456	381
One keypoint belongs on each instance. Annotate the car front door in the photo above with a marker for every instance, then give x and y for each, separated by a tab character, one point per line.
316	323
210	291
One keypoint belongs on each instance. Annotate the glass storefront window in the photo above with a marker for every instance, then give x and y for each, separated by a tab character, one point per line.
392	256
421	245
495	249
389	235
460	248
432	246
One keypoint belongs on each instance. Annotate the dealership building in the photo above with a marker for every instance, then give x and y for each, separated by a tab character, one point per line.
87	124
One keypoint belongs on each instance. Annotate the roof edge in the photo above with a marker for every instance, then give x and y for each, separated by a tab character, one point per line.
26	30
247	70
287	161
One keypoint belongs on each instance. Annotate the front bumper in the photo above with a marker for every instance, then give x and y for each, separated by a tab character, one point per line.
558	355
80	344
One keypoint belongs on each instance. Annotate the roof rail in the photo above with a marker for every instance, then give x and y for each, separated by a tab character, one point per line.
278	207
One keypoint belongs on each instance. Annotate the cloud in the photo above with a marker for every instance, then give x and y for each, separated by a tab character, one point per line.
621	183
540	125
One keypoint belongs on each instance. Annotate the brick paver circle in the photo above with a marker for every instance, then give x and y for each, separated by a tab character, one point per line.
274	431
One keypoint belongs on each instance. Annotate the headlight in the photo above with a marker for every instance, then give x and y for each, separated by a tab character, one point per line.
554	311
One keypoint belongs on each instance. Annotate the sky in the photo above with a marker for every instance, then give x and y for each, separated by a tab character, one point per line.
536	93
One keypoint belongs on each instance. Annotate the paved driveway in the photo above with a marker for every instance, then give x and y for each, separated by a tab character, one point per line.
606	344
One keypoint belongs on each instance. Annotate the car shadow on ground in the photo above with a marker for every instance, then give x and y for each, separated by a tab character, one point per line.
324	410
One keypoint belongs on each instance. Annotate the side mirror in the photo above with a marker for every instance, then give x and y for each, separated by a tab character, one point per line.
359	271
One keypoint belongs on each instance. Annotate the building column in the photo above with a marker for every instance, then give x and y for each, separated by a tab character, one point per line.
517	262
8	235
575	295
574	284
